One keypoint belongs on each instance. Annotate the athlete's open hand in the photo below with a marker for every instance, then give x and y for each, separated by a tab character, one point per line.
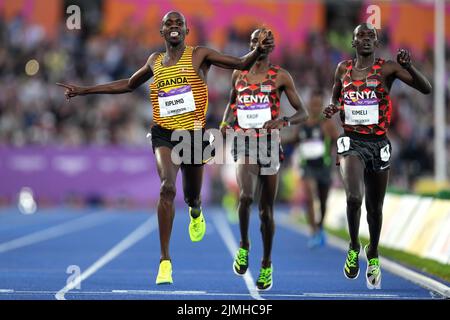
265	41
71	90
330	110
404	58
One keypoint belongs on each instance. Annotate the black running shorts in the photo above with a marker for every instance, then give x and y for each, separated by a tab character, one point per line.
183	140
260	150
374	151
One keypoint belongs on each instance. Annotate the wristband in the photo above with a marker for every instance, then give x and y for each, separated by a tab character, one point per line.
287	123
224	124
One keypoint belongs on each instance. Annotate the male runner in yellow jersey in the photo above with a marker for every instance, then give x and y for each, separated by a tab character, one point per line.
180	100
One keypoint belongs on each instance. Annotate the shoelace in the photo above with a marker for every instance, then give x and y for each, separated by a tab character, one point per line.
196	224
374	263
351	258
165	268
242	256
264	275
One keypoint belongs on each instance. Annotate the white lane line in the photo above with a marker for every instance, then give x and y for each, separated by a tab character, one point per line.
6	290
180	292
59	230
134	237
227	236
307	295
392	267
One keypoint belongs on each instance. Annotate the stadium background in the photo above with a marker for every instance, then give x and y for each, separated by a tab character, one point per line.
94	150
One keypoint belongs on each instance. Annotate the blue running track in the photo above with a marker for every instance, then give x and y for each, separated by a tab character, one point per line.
117	253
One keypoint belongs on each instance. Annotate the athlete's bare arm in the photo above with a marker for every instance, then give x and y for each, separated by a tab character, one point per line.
114	87
213	57
292	137
330	130
286	84
406	72
333	107
228	115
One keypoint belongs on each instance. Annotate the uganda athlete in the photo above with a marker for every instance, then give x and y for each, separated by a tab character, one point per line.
179	97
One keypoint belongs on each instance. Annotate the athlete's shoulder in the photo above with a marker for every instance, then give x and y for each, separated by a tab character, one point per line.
388	63
283	73
236	73
284	77
280	70
344	64
341	69
152	58
201	50
389	66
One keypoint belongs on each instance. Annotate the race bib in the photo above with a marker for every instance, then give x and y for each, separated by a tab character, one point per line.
253	116
385	154
343	144
361	112
176	101
312	149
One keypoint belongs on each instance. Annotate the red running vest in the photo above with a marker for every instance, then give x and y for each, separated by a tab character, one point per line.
256	103
366	107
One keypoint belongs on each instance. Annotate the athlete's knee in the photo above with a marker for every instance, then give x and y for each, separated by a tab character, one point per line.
167	191
374	212
266	214
354	200
245	199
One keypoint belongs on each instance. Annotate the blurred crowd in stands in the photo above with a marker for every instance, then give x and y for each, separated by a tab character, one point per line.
33	110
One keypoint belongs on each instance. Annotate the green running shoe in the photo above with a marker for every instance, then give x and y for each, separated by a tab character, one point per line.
265	281
164	272
351	267
373	271
240	264
197	227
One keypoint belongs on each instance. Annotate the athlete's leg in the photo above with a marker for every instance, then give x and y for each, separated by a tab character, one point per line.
269	187
323	188
247	177
309	186
192	186
167	171
352	171
376	184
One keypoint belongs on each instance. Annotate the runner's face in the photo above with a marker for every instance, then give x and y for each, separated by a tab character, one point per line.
173	28
365	40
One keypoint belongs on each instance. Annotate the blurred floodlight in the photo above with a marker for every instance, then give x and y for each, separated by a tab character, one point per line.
26	203
32	67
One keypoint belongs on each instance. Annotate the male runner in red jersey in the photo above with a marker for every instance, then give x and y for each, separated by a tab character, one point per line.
254	105
361	96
